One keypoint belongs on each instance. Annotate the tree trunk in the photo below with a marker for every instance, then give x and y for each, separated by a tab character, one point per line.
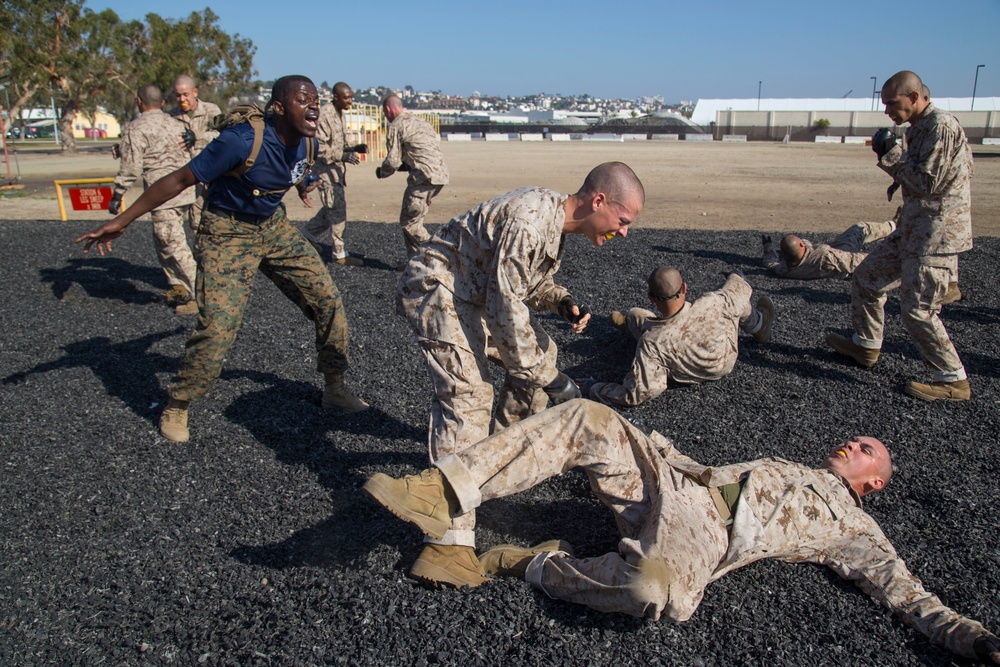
66	137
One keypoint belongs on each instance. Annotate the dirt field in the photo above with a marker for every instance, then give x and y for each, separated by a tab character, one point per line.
757	186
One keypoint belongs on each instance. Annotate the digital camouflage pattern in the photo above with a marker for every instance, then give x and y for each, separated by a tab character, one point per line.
229	253
150	149
411	140
468	294
836	259
673	541
935	173
331	168
698	344
920	257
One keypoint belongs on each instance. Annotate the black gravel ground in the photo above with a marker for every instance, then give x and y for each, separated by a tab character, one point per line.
253	544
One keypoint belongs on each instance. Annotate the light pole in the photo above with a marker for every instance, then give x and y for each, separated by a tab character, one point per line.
974	84
758	93
873	92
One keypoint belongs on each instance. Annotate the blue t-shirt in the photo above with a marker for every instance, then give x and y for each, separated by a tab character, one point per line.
277	167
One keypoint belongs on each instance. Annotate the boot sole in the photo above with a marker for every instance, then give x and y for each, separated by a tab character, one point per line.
916	393
433	576
377	488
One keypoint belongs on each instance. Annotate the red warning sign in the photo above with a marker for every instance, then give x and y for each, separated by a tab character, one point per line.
89	198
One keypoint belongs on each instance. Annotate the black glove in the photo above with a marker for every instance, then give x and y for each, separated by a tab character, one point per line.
736	272
883	141
891	190
187	136
360	148
403	167
585	384
116	151
115	205
765	240
986	647
562	389
378	173
566	310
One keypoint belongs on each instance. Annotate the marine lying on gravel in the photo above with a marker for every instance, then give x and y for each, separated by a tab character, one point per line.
800	259
688	342
683	525
469	295
244	228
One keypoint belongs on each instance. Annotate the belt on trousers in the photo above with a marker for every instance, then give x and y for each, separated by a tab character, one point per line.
239	217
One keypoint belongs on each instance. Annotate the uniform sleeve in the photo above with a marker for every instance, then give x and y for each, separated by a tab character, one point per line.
324	133
393	150
647	379
507	314
923	173
132	147
870	561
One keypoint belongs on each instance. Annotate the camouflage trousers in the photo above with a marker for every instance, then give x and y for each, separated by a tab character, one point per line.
672	537
922	282
455	346
854	238
416	202
332	216
171	247
229	253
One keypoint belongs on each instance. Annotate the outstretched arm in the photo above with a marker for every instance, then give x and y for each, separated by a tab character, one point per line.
159	193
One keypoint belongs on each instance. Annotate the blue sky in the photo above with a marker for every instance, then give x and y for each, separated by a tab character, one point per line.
678	50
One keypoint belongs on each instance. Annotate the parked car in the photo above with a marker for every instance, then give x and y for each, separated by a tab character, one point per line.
95	133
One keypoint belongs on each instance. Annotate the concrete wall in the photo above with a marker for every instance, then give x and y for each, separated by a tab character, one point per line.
773	125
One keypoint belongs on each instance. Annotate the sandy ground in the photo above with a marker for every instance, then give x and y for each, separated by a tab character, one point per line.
757	186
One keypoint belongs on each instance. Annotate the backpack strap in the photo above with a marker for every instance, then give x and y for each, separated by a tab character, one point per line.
257	123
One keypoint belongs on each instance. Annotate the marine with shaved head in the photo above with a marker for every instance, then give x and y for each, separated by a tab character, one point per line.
682	525
198	117
150	149
688	342
412	145
921	256
471	288
331	169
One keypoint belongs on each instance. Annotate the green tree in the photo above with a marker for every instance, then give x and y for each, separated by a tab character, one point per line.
90	59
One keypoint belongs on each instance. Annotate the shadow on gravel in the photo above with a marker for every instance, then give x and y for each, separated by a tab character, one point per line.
105	278
127	370
730	258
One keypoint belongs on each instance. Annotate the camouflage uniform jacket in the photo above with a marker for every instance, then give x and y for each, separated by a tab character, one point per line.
698	344
151	149
935	173
412	140
797	514
332	145
819	261
200	122
500	257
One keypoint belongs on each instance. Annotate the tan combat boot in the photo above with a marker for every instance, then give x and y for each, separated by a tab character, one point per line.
176	294
508	560
174	421
187	308
847	347
337	395
425	499
448	565
766	309
954	294
349	261
618	320
947	391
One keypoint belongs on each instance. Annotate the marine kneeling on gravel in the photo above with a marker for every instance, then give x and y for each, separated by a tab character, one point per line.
683	525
